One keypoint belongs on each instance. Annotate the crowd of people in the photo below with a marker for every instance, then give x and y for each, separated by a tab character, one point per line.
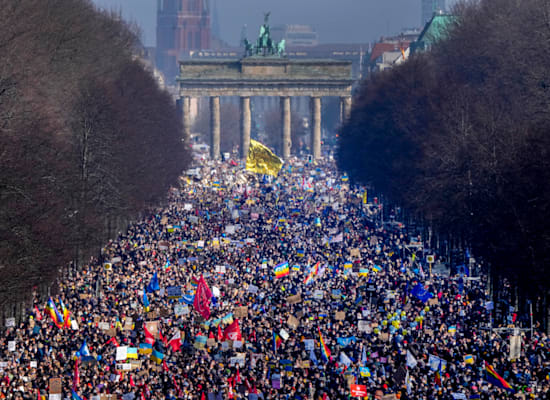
252	287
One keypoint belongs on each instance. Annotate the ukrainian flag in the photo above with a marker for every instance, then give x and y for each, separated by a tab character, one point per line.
144	348
132	352
157	356
376	268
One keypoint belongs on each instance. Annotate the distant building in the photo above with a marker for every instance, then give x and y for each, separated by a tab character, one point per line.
435	30
182	25
388	52
429	7
295	35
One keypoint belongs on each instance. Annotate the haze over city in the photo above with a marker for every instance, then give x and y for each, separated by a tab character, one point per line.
342	21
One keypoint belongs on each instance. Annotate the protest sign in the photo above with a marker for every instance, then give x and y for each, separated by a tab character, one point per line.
340	316
293	322
55	386
297	298
241	312
153	328
358	390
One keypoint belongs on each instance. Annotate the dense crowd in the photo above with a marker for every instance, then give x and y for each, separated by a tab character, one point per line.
353	306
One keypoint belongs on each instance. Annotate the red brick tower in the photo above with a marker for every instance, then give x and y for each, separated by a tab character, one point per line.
182	25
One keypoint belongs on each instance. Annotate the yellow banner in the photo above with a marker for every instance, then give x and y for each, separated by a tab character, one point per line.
261	160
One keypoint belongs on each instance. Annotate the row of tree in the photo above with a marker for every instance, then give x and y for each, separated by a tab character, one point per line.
88	139
459	136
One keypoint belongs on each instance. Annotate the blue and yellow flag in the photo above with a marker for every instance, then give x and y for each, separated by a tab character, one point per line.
261	160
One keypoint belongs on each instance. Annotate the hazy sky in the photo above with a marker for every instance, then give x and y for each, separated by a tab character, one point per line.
346	21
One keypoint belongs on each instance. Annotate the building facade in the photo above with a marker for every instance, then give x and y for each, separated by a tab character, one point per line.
182	26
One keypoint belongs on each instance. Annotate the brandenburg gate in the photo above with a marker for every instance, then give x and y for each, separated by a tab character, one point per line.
264	71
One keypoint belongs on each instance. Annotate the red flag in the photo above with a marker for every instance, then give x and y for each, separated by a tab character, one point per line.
238	376
132	384
76	376
202	396
220	334
149	338
38	397
164	366
203	296
163	339
178	390
175	342
233	331
37	313
113	341
211	335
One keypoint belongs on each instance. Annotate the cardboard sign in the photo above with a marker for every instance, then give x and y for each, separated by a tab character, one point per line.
210	342
55	386
354	253
294	299
433	301
293	322
241	312
340	316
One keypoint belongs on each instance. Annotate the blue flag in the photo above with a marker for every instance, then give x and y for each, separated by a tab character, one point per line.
421	293
154	284
84	351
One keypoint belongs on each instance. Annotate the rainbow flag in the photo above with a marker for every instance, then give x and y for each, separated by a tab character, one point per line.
281	270
314	271
54	313
324	348
66	315
194	281
277	341
495	379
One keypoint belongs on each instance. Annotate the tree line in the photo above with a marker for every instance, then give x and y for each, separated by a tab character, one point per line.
458	135
88	139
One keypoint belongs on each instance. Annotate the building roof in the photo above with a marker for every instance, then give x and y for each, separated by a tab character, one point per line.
383	47
435	30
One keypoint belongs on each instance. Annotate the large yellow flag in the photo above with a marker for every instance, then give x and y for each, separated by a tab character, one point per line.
262	160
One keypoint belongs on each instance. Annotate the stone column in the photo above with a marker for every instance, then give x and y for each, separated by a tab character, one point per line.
245	126
184	102
345	104
315	103
286	142
214	127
